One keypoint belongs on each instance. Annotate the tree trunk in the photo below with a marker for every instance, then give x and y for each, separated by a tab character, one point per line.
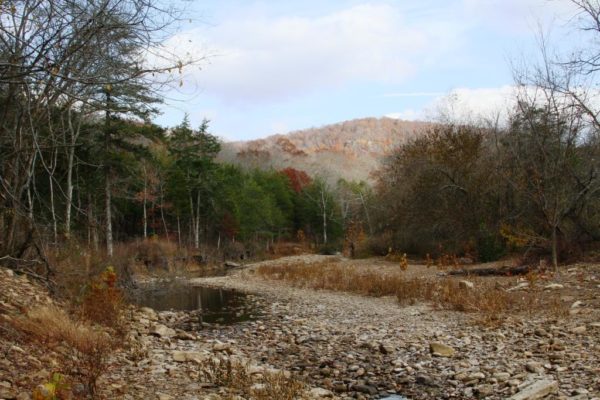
70	165
554	248
162	214
178	232
53	211
69	194
145	217
107	189
197	223
324	209
109	237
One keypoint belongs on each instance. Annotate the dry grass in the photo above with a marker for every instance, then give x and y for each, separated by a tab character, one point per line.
491	302
237	380
83	350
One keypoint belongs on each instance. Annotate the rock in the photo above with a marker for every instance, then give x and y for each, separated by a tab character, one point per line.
231	264
162	396
475	376
149	313
219	346
554	286
501	376
184	336
441	350
520	286
426	380
179	356
484	390
577	304
540	332
162	331
579	329
536	390
372	390
214	396
186	356
320	392
534	367
466	284
386	348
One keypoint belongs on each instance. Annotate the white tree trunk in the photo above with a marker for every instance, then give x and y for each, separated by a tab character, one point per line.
109	236
324	209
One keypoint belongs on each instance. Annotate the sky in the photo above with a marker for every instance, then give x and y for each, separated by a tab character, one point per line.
277	66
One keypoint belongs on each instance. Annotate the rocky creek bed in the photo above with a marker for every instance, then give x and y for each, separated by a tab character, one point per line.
348	346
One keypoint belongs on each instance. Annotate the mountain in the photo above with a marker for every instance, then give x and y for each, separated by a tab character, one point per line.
351	149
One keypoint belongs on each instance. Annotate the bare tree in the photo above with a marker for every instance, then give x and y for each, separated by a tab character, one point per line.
61	56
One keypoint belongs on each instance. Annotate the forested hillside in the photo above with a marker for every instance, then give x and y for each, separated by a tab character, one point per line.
351	150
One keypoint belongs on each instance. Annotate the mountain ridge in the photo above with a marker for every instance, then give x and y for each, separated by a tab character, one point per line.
350	149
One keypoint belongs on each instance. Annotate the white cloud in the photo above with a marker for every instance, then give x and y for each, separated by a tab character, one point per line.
270	58
465	104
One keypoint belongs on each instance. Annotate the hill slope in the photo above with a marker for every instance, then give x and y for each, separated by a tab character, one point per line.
350	149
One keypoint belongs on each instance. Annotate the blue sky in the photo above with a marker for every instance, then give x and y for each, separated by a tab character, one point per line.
277	66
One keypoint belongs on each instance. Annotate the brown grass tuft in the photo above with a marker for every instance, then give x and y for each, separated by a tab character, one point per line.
236	378
490	302
84	350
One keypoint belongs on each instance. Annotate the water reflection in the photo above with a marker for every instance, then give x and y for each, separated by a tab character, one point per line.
214	305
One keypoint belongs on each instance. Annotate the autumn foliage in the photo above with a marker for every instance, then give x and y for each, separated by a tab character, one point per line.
298	179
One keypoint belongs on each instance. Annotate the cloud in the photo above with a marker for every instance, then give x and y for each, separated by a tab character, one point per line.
414	94
465	104
267	58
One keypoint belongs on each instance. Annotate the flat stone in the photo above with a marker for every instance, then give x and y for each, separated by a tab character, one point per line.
186	356
534	367
579	329
484	390
501	376
320	392
161	330
386	348
554	286
536	390
441	350
576	304
372	390
179	356
520	286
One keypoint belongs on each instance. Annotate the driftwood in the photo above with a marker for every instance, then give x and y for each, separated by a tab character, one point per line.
495	271
231	264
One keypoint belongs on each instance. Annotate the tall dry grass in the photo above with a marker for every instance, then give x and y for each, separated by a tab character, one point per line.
83	350
490	302
237	380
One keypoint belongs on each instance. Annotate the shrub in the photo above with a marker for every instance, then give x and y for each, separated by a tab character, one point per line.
103	302
329	249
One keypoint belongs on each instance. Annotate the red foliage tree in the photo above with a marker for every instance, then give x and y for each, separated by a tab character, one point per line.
298	179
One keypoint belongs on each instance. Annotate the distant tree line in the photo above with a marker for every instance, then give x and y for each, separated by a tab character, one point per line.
487	188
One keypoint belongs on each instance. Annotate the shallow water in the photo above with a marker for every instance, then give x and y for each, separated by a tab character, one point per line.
214	305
